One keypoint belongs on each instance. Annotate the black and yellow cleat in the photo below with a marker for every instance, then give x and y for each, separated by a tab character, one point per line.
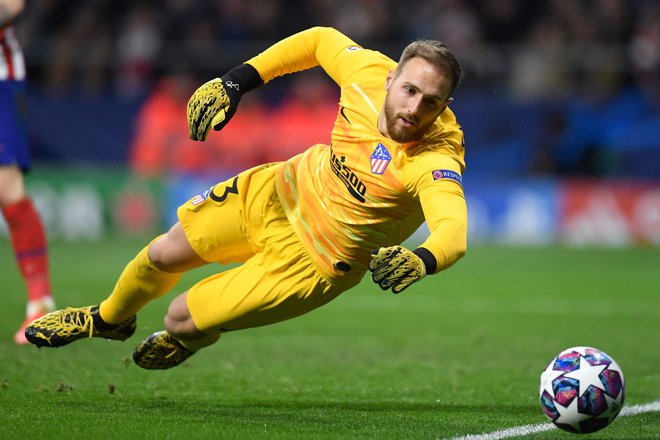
160	351
65	326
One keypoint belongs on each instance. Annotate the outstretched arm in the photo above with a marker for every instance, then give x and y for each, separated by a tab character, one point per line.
318	46
215	102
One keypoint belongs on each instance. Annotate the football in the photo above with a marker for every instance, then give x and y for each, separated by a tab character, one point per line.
582	390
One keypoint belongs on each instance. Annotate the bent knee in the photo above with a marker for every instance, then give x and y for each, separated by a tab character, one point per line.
178	321
157	253
182	329
172	252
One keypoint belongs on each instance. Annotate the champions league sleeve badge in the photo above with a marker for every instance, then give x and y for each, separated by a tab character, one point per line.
380	159
447	174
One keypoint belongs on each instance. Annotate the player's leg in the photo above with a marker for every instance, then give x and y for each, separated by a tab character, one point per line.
28	239
151	274
26	230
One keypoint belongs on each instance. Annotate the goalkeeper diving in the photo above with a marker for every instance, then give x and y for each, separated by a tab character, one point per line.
307	229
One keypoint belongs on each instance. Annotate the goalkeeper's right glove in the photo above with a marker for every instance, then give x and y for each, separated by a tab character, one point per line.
215	102
397	268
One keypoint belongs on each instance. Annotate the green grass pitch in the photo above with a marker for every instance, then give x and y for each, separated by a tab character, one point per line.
459	353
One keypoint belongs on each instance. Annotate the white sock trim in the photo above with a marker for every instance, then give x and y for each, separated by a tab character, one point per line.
45	304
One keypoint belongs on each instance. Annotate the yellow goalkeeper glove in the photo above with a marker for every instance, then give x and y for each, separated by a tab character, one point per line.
214	103
397	268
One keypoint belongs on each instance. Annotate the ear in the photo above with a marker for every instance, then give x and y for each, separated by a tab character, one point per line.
389	78
447	102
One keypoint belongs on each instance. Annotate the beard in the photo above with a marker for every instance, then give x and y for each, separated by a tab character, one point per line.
402	134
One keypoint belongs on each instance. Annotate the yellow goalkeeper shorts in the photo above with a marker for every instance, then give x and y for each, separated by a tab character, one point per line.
242	220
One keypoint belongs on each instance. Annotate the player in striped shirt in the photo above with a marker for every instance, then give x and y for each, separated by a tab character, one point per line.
25	227
309	228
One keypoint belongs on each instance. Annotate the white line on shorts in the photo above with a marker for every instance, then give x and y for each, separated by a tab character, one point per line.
520	431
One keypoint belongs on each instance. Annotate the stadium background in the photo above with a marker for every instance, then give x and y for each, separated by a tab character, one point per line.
560	106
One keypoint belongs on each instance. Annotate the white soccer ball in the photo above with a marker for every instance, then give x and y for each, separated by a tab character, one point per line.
582	390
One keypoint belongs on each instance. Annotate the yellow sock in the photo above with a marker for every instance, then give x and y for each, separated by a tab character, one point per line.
198	344
140	283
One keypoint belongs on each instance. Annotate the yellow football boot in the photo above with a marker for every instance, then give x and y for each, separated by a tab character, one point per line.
160	351
65	326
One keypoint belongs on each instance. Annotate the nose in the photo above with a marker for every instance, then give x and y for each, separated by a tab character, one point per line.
414	104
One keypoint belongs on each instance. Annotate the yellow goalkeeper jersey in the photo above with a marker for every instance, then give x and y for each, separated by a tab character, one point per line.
364	190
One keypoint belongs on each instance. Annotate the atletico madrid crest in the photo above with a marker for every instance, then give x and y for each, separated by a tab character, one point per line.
380	159
200	198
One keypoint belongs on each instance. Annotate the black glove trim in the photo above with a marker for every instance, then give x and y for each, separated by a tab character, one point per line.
241	80
430	263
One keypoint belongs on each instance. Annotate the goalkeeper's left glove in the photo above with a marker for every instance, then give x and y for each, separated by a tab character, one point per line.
215	102
397	267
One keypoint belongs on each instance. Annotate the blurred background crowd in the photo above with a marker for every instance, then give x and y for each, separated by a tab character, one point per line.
552	87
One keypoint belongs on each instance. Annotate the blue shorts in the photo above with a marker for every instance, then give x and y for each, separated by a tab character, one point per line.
13	131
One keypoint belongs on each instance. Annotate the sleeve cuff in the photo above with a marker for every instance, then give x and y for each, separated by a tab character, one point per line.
430	263
246	76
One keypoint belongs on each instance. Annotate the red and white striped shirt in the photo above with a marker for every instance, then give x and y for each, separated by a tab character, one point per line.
12	63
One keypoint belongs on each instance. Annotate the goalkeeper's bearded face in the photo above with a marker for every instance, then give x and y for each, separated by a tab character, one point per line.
416	95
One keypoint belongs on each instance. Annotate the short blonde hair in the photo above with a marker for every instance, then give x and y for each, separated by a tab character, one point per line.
437	54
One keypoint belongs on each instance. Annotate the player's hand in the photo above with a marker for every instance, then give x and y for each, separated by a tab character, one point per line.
396	267
212	105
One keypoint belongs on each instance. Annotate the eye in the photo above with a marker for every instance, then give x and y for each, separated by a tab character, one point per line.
432	103
410	90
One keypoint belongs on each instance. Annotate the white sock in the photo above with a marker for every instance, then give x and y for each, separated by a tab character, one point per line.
45	304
